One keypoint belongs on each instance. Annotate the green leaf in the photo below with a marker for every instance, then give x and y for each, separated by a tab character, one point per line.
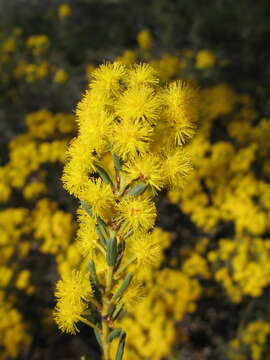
98	337
101	222
104	174
137	189
115	333
117	162
117	311
94	280
123	287
111	251
87	208
128	234
101	235
121	346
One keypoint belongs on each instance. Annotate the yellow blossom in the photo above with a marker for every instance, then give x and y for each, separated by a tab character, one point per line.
138	213
64	11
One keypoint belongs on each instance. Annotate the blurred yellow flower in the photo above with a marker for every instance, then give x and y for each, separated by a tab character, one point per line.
64	11
205	59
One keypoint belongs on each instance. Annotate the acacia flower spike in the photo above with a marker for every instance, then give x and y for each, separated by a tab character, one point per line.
124	119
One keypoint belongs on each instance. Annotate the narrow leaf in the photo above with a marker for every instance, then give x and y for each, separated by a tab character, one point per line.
115	333
111	251
128	234
101	222
94	279
121	346
98	337
101	235
117	311
137	190
104	174
87	208
123	287
117	162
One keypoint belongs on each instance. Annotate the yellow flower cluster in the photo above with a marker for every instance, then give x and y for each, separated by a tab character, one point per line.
64	11
34	148
169	66
32	63
38	44
32	72
14	338
52	225
129	147
14	226
251	342
223	171
242	266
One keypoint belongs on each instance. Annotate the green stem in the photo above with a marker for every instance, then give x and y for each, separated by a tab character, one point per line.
89	323
105	312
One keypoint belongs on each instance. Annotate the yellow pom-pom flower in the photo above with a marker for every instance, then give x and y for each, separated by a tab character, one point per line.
148	169
74	287
67	314
137	212
131	138
98	195
176	168
107	78
146	248
142	74
181	109
139	102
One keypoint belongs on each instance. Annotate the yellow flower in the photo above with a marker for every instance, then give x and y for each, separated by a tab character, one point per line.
142	74
95	130
181	109
137	212
98	195
60	76
86	236
74	287
144	39
75	176
131	138
205	59
64	10
147	169
38	44
128	57
176	167
138	103
107	78
23	279
67	314
146	248
34	189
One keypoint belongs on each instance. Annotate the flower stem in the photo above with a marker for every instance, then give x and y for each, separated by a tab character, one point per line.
89	323
105	312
